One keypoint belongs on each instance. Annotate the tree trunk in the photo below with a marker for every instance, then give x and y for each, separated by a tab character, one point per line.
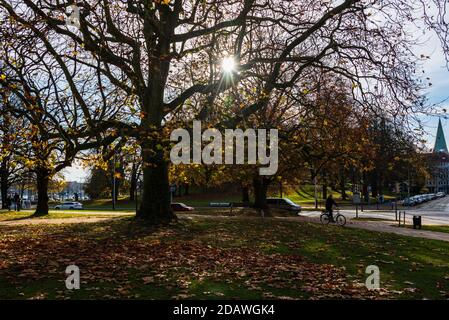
343	185
324	185
281	189
380	185
373	184
155	206
260	185
133	183
186	189
365	192
42	192
179	185
245	194
132	192
207	177
4	183
4	193
324	191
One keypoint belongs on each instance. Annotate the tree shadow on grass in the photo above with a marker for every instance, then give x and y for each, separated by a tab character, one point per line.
30	216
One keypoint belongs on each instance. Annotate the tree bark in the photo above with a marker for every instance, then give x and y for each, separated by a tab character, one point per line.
343	184
133	183
4	183
373	183
260	185
365	188
324	191
281	189
155	206
43	178
324	185
4	193
245	194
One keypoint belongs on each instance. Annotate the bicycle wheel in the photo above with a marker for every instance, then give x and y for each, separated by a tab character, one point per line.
324	218
341	220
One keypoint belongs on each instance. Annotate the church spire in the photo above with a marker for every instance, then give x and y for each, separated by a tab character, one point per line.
440	142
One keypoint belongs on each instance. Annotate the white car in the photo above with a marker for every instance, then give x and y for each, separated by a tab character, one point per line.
69	206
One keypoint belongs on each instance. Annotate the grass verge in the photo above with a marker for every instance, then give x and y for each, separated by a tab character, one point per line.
218	258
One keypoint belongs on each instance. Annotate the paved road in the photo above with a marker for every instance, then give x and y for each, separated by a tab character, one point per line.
380	226
435	212
438	205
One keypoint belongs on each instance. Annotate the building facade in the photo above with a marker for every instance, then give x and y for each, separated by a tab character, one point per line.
438	162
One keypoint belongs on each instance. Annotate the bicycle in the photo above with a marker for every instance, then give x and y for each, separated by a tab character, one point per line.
338	218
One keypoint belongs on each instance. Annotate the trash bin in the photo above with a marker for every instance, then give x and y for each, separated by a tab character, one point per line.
416	222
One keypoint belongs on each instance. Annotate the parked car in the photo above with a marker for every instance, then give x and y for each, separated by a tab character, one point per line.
69	206
409	202
422	198
181	207
418	199
284	204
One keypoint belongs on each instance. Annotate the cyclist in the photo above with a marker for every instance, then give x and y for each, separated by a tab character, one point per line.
330	203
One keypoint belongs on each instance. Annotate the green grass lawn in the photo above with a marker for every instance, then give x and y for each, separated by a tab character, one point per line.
444	229
28	214
218	258
122	204
304	196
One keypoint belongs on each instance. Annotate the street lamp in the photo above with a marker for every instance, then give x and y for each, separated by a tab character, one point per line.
114	182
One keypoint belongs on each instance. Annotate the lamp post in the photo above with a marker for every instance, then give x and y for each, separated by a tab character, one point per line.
315	189
408	184
113	183
136	194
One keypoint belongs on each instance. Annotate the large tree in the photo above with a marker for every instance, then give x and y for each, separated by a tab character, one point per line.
10	167
165	56
34	92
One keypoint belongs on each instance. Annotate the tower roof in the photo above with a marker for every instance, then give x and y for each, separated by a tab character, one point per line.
440	142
